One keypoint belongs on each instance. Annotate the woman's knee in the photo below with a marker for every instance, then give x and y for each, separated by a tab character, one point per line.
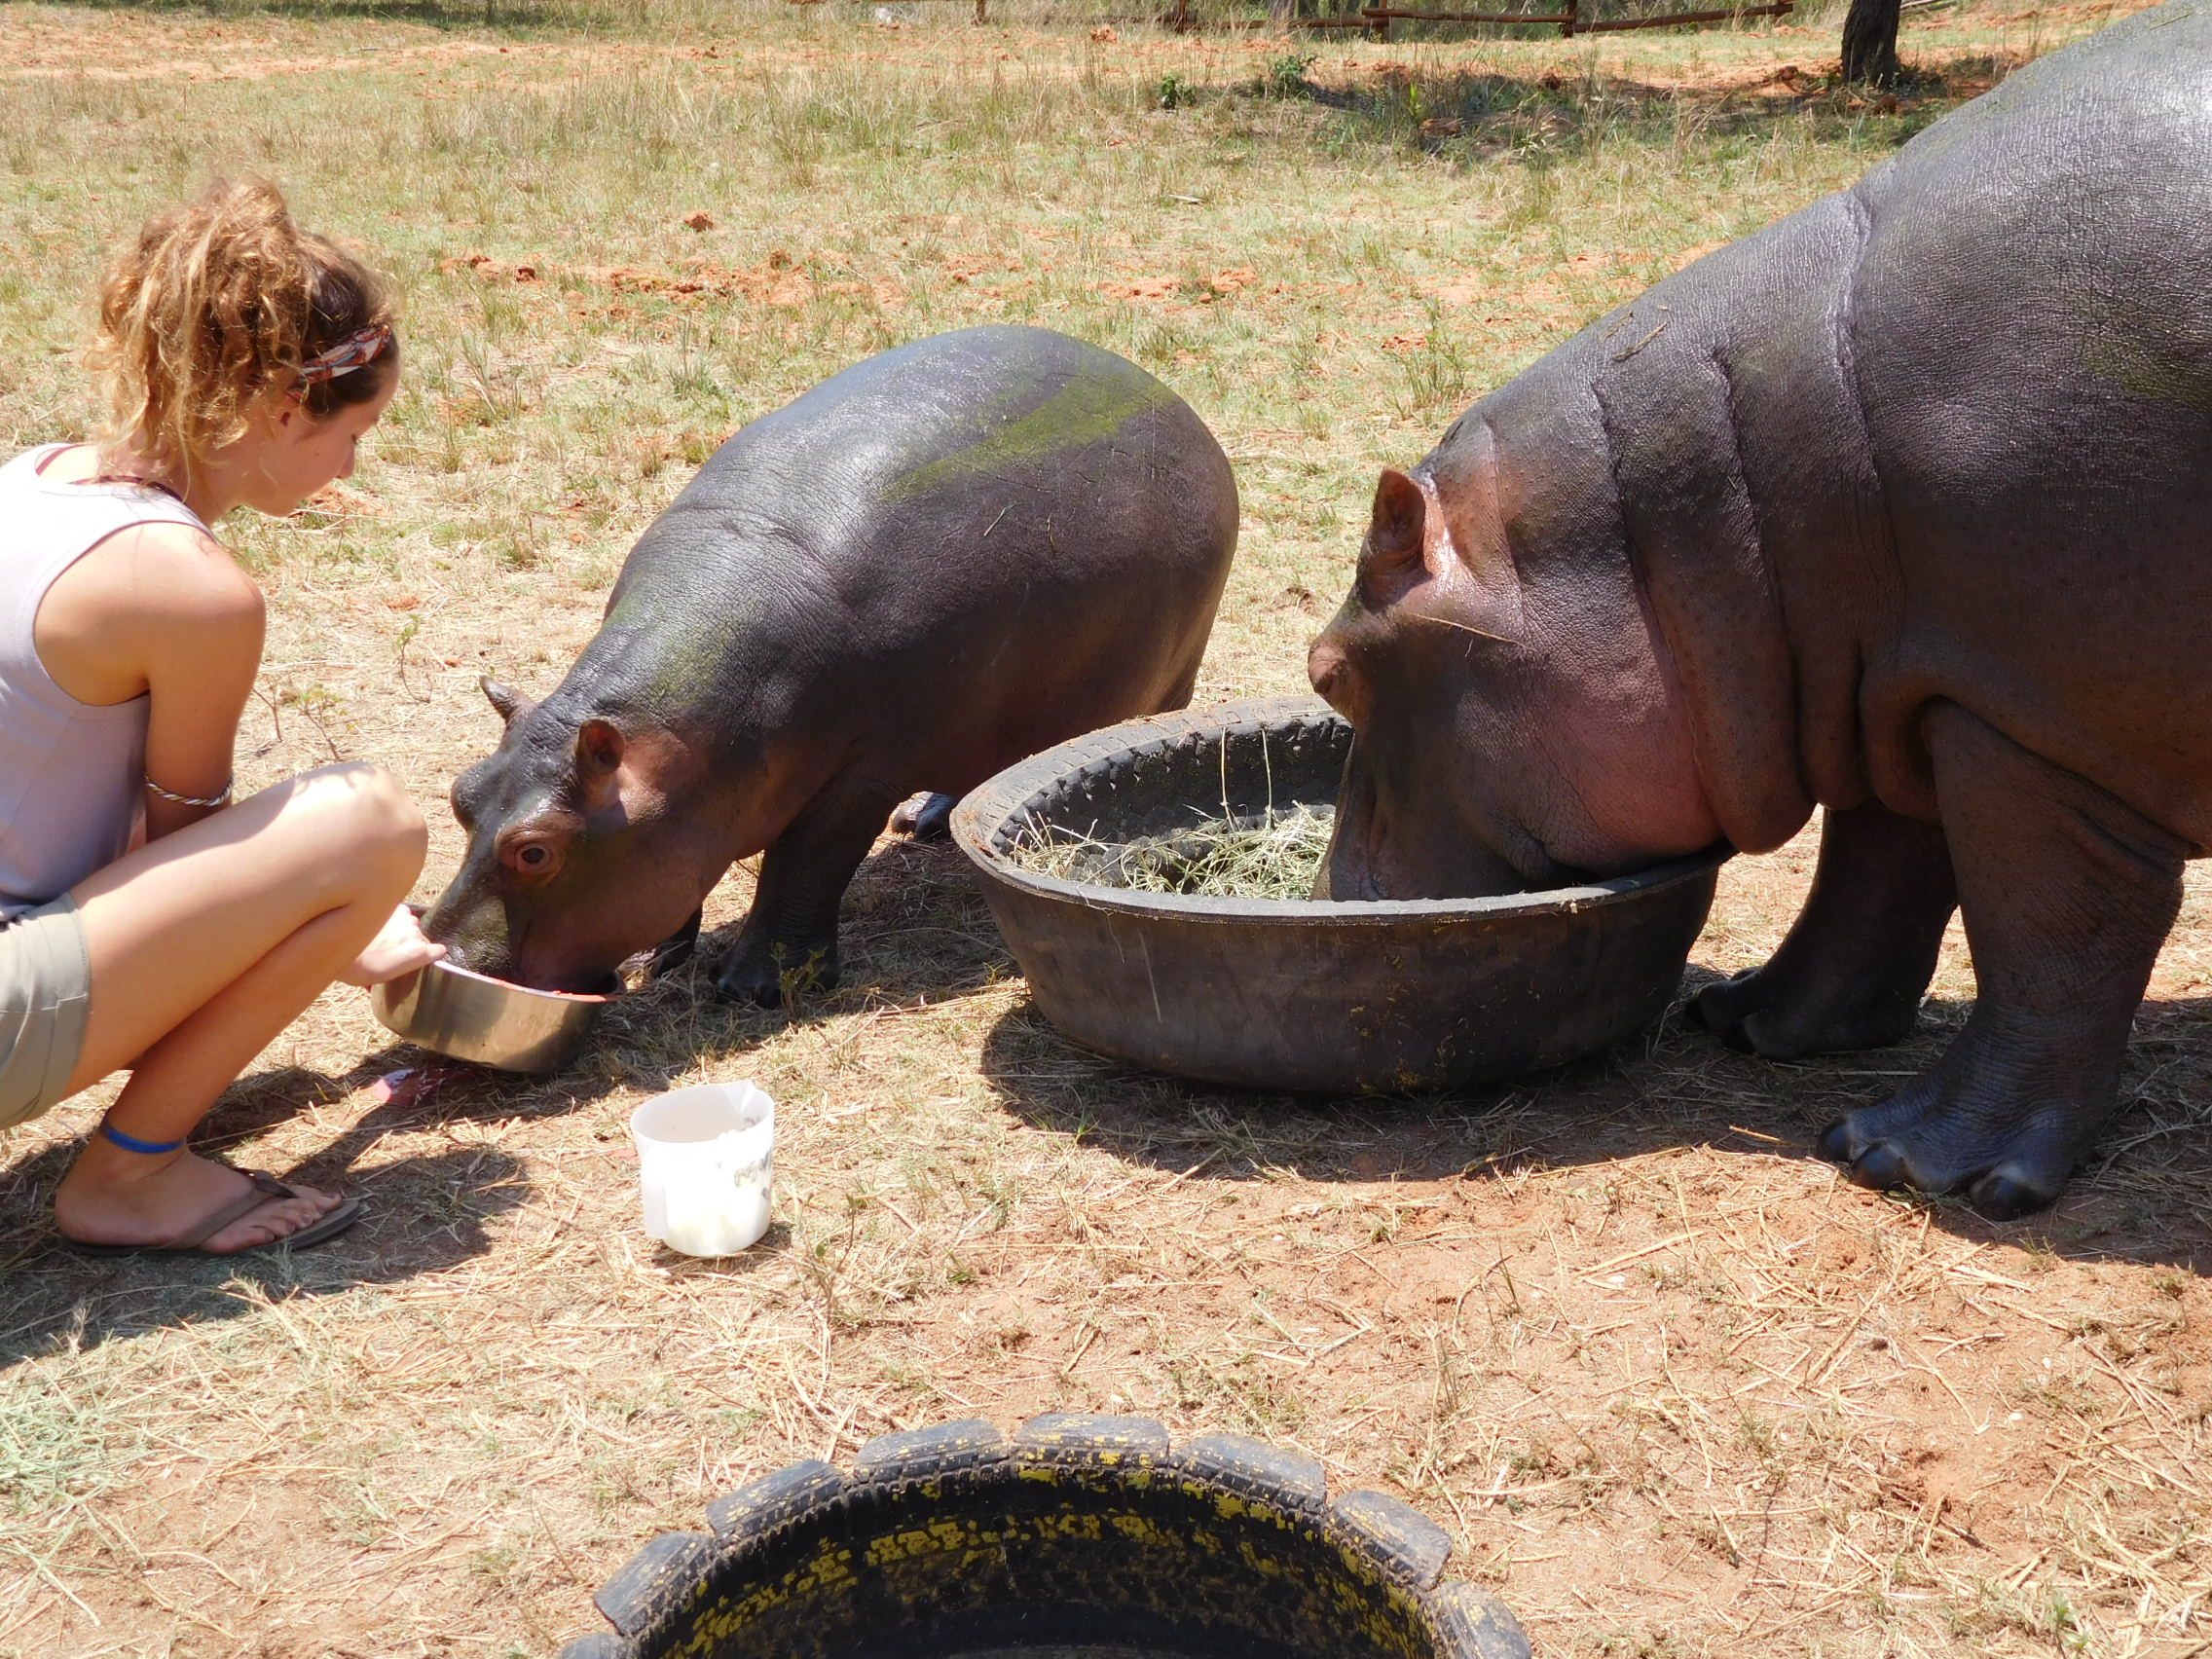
371	822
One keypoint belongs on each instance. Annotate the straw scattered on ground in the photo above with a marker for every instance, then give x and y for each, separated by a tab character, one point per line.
1674	1387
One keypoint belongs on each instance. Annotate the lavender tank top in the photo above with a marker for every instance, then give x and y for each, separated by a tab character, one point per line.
69	771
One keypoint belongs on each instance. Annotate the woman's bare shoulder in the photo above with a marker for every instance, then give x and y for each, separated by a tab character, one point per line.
165	569
155	601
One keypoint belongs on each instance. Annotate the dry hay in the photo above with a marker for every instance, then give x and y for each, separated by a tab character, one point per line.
1275	856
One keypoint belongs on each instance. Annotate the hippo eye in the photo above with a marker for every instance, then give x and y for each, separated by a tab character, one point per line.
531	856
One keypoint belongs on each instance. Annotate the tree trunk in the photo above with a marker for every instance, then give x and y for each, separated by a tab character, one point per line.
1870	42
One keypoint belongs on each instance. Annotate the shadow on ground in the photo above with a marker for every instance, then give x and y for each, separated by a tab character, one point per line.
2147	1198
425	1215
456	15
1482	115
913	926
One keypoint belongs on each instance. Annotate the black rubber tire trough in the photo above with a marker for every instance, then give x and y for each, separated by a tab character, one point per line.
1076	1537
1303	994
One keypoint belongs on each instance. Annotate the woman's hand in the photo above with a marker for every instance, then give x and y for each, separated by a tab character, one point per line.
399	947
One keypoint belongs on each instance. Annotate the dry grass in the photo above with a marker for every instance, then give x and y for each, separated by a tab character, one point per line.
1675	1390
1276	856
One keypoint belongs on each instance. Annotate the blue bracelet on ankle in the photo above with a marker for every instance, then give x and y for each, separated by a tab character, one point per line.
132	1143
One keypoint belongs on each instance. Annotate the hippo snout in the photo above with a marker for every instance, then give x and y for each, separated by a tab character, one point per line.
474	934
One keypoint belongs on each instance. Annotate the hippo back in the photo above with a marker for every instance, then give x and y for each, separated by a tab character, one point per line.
2031	333
943	559
1944	434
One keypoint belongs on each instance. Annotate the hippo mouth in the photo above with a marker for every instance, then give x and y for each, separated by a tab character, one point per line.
506	966
1368	864
583	982
1347	868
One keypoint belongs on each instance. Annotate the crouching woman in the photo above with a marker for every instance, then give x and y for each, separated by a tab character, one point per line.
148	921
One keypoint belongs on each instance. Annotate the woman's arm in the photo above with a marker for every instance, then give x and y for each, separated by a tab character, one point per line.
161	609
201	662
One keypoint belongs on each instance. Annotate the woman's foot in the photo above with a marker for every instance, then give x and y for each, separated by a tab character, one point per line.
113	1196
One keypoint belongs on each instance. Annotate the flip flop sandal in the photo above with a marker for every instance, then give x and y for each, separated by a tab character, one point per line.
265	1187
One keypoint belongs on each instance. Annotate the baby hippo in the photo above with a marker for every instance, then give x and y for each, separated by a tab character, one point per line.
936	563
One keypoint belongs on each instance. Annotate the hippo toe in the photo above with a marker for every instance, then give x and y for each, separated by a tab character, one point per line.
2021	1186
1763	1013
768	975
1968	1127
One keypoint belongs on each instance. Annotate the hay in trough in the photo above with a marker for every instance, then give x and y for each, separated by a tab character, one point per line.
1276	856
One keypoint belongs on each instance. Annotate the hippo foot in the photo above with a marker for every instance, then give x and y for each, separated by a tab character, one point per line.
1860	953
775	974
925	816
2004	1123
673	952
1782	1015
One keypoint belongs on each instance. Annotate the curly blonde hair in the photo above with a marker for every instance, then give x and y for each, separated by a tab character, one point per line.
219	306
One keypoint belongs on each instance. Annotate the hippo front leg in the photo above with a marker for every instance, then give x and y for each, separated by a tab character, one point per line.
792	932
2068	893
673	952
1858	957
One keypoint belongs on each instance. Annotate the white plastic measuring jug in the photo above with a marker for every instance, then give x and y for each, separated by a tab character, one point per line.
705	1159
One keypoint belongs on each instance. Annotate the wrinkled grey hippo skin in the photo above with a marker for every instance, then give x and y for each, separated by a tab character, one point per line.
944	559
1901	508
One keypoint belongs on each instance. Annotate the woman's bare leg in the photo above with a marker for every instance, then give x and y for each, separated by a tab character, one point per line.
204	945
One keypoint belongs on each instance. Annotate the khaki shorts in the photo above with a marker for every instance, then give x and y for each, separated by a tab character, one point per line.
45	983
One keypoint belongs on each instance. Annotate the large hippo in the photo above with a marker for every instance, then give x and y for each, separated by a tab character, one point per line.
941	560
1902	508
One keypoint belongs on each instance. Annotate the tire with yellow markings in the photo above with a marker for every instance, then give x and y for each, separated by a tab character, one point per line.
1074	1537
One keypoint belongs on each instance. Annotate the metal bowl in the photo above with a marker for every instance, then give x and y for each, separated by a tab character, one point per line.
473	1016
1304	994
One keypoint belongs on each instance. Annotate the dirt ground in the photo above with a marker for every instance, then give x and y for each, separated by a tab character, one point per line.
1673	1387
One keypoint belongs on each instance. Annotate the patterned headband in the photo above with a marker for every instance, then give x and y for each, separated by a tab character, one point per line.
349	354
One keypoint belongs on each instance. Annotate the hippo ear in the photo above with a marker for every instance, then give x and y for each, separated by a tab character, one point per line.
505	699
1397	538
600	745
